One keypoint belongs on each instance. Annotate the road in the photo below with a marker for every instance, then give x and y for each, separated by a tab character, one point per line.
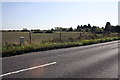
92	61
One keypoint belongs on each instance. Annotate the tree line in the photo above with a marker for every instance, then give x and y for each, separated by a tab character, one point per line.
80	28
94	29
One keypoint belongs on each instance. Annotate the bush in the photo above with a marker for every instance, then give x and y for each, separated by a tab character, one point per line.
48	31
38	32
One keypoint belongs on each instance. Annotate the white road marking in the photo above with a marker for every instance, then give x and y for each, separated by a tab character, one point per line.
27	69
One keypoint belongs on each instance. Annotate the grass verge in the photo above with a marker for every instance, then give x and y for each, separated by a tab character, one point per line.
12	51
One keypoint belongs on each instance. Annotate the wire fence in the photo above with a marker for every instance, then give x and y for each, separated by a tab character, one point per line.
12	38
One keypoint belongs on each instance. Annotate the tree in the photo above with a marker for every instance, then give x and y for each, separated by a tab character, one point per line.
78	28
48	31
107	27
97	30
52	29
89	26
93	29
70	29
117	28
81	27
85	26
87	30
37	31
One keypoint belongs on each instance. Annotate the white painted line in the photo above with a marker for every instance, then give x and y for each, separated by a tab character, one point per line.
22	70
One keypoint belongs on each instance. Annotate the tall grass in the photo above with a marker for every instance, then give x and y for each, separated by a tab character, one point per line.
16	50
12	38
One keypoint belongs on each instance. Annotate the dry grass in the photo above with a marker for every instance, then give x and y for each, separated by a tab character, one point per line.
9	38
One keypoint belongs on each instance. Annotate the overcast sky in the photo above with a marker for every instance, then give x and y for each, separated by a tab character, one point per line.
47	15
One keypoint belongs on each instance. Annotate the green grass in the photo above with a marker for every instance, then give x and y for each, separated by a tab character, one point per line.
16	50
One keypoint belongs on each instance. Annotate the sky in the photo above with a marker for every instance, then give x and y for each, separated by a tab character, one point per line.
47	15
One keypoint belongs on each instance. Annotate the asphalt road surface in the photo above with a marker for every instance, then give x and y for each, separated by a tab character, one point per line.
92	61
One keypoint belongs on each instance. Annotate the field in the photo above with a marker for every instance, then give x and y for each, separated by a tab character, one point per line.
47	41
13	37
